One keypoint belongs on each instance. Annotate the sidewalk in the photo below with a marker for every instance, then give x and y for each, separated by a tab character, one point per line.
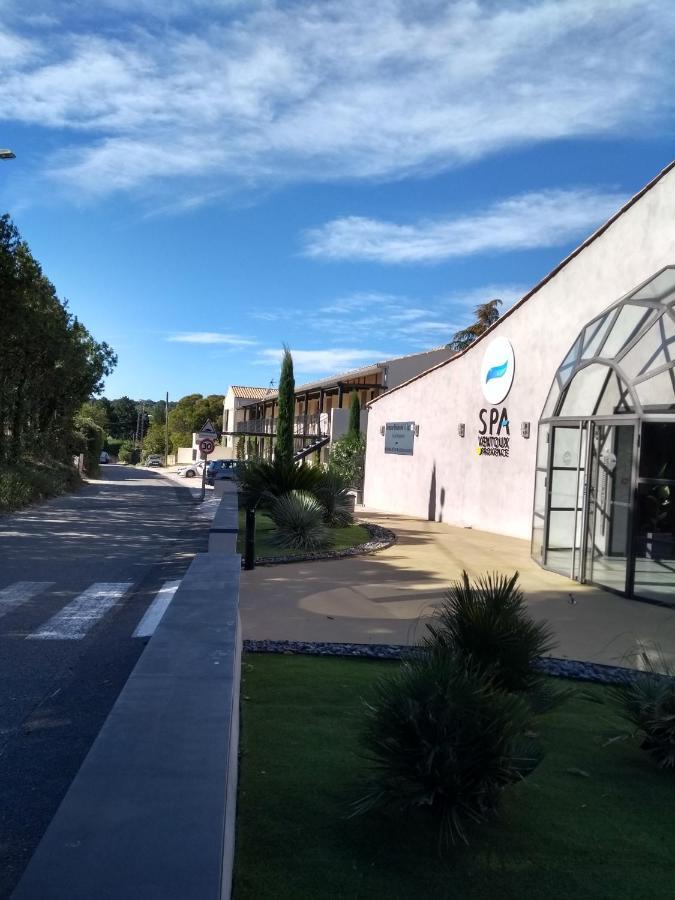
387	596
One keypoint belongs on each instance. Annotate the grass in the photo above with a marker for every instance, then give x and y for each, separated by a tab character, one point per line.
350	536
594	820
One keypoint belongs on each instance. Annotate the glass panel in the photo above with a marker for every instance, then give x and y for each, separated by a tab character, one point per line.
565	446
584	390
609	497
540	492
625	327
564	510
655	543
655	348
537	549
657	394
564	488
657	450
594	334
551	400
658	288
542	446
571	357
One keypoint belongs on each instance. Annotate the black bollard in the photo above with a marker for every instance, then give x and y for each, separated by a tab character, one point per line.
249	540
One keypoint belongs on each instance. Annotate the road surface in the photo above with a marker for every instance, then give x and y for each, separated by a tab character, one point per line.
83	582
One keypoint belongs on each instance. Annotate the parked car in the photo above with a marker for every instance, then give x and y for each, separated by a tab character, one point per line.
221	469
192	470
154	459
104	457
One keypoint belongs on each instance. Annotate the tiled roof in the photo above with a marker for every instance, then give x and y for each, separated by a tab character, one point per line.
249	393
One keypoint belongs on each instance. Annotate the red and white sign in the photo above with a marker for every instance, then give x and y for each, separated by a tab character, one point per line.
207	446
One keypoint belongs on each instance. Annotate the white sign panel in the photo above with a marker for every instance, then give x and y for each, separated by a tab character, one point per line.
497	370
207	431
399	438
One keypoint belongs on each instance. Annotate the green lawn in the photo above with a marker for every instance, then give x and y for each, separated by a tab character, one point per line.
351	536
561	835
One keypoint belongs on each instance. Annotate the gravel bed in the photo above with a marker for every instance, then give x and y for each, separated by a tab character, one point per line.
561	668
380	539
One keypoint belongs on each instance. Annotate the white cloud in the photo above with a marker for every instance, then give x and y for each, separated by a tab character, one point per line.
538	219
210	337
248	93
325	361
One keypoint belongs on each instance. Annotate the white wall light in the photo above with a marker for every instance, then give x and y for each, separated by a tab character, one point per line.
525	429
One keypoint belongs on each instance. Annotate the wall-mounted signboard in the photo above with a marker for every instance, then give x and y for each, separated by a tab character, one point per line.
399	438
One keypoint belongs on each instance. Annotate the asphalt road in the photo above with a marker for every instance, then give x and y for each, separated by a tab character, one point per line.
77	575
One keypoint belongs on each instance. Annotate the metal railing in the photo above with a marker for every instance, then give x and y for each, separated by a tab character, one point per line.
314	424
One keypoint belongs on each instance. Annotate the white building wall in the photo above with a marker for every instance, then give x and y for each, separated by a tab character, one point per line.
445	478
406	367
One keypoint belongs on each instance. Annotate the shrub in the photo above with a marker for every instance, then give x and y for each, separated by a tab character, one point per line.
347	458
299	520
126	452
263	481
487	625
648	702
332	492
30	482
443	740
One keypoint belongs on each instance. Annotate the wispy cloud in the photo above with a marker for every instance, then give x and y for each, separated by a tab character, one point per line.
203	94
324	361
210	337
395	320
538	219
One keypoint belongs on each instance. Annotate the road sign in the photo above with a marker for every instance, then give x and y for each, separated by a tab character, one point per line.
207	446
208	431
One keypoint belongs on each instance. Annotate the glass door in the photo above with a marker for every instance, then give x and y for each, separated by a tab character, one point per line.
609	506
654	577
565	499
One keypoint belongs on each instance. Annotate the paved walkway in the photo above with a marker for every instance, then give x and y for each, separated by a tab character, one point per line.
386	597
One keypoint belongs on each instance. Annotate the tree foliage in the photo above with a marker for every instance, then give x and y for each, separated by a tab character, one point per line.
285	420
354	415
486	316
49	363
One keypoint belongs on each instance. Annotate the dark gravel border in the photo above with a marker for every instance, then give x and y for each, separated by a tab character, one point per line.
380	539
561	668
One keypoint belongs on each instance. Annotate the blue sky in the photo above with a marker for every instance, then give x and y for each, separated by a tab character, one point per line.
206	179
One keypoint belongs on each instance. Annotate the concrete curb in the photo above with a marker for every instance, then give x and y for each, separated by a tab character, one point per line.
560	668
381	538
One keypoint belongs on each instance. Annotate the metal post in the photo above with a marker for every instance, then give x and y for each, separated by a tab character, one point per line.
249	539
203	455
166	431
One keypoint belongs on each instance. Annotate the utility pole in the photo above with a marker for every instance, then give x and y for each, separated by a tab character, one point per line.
166	431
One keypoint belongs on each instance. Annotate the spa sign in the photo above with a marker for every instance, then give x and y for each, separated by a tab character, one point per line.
496	376
399	438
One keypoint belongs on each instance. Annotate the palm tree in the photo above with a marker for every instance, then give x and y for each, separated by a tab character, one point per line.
486	315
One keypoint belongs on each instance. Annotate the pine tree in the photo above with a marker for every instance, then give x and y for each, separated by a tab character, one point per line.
285	420
354	414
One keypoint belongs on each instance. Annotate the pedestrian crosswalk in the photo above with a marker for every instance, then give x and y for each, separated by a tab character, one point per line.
81	613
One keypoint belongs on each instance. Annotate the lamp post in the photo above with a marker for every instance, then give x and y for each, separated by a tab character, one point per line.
7	154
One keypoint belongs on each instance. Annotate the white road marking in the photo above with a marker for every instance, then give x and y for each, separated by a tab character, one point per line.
20	592
153	614
75	620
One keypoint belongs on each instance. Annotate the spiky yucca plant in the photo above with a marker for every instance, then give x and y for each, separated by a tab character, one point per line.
648	703
487	624
262	482
442	739
299	520
332	491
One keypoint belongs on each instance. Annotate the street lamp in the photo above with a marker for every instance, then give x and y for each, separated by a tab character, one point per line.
7	154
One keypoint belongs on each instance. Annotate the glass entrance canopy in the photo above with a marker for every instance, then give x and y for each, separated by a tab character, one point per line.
605	480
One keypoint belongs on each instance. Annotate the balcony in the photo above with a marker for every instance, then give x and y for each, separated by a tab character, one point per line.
314	425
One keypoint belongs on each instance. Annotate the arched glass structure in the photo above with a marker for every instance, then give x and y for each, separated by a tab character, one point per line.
604	508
